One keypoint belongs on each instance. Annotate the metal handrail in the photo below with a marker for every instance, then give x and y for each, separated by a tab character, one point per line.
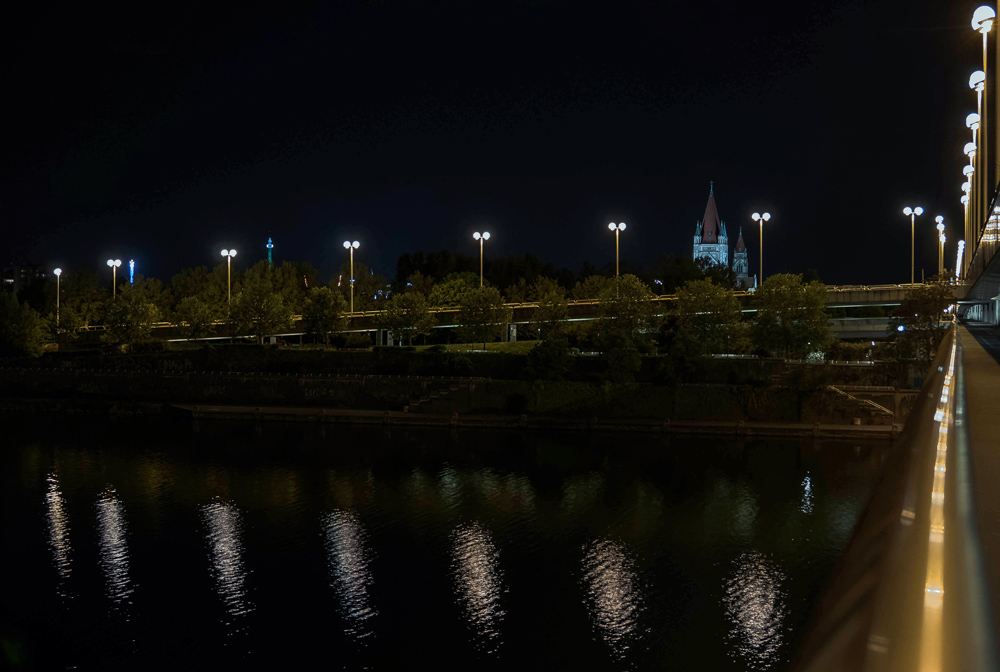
908	593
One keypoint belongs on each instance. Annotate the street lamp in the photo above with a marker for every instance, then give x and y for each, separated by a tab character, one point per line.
114	264
617	228
350	247
912	214
940	227
229	254
759	218
977	82
57	273
481	237
982	22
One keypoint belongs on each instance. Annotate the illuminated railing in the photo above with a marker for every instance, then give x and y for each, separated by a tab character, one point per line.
909	592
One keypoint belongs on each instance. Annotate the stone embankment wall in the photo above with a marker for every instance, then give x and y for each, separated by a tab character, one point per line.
441	395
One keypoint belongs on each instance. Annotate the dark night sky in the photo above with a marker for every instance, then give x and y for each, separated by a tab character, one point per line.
166	136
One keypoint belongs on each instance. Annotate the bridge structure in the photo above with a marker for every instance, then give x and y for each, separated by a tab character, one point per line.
918	587
837	297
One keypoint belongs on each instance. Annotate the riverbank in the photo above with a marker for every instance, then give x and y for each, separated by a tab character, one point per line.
334	416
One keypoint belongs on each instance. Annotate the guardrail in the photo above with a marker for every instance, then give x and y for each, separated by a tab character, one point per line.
909	592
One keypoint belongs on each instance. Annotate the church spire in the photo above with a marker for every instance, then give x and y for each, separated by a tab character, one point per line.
740	245
710	223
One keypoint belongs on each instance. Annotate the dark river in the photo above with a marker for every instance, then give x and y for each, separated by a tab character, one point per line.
166	545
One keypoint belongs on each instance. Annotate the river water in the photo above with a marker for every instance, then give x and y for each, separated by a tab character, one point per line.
163	545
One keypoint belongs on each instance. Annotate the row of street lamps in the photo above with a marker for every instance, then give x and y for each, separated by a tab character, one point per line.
350	246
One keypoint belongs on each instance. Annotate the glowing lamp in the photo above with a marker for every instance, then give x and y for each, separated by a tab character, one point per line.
977	80
970	149
982	19
972	121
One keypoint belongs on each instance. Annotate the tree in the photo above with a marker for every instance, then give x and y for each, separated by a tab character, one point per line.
370	288
791	316
258	310
129	317
626	307
590	287
711	316
21	329
418	282
550	315
453	289
292	280
483	315
82	301
325	311
923	318
407	315
198	316
518	292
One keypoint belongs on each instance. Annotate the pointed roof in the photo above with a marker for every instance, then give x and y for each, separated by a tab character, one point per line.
740	245
710	222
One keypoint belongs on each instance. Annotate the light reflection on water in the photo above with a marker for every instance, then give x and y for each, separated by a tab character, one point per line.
348	560
226	553
613	596
755	605
58	521
479	584
114	546
807	495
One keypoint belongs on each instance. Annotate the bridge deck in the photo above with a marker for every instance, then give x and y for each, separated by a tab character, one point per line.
982	383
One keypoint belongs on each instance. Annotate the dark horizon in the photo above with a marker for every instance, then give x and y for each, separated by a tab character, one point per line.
408	128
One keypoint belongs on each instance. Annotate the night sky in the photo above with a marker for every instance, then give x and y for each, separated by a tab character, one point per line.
164	134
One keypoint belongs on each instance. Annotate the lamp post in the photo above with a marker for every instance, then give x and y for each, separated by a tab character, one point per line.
759	218
114	264
229	254
977	82
350	247
982	22
617	228
940	227
972	123
481	237
57	273
958	260
912	214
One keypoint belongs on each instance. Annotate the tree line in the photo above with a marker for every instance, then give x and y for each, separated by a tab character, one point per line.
707	317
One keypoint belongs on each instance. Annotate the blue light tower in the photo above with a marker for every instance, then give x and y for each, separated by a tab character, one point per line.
131	271
270	246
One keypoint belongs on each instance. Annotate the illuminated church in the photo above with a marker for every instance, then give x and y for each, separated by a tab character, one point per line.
711	242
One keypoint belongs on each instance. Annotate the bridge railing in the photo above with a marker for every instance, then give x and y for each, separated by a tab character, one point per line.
908	593
987	242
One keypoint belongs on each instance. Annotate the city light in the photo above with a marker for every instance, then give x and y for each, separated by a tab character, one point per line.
941	238
229	254
114	264
57	273
617	228
481	237
912	214
760	219
350	247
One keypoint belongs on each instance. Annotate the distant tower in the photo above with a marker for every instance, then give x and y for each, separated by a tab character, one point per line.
131	271
710	239
270	246
741	264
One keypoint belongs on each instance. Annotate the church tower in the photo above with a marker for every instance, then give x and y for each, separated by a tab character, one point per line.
741	264
710	239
